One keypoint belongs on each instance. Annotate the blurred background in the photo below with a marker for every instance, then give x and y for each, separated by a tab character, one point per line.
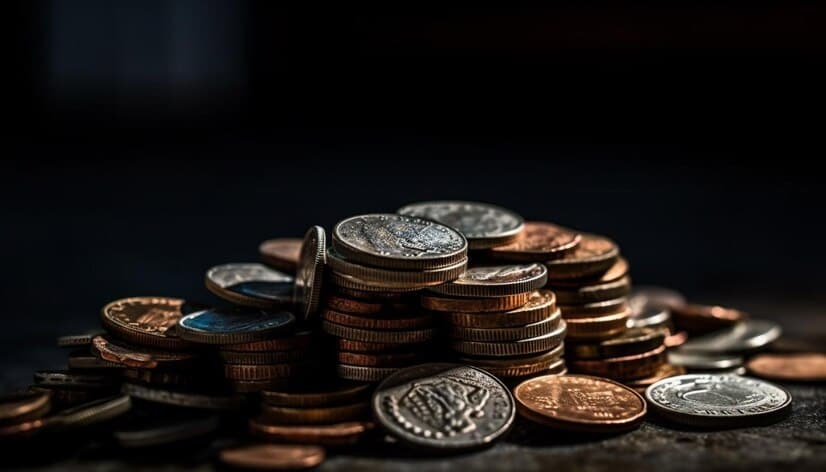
153	139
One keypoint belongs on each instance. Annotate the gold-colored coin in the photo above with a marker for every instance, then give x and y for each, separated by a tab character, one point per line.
598	327
593	255
338	434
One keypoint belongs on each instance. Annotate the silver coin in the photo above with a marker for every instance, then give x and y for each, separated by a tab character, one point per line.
703	361
657	297
484	225
745	336
718	400
444	406
494	281
649	317
310	271
251	284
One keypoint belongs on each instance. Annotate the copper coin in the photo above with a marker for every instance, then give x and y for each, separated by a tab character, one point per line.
24	406
273	457
262	357
495	281
82	359
484	225
337	434
342	392
598	327
361	346
592	293
519	366
664	371
676	339
354	307
376	336
256	386
382	296
400	359
799	367
300	340
593	255
262	372
362	373
365	322
587	310
137	357
617	271
626	367
700	319
474	305
631	341
313	415
146	321
351	282
579	403
538	242
541	305
281	253
511	333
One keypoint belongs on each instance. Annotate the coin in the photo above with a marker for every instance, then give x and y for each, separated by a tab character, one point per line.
703	361
474	305
355	307
796	367
520	347
649	317
514	333
592	293
444	406
633	366
359	346
538	242
97	411
313	415
82	360
398	242
617	271
655	297
341	393
593	255
379	323
182	399
281	253
262	371
375	336
262	357
631	341
391	278
745	336
273	457
484	225
298	340
250	284
519	366
160	377
373	294
664	371
146	321
338	434
362	373
495	281
598	327
309	275
380	287
710	400
700	319
255	386
136	357
23	430
168	432
676	339
541	305
24	406
77	340
392	359
579	403
75	380
234	325
587	310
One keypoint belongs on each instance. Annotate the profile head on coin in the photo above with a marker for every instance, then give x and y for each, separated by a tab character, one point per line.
308	277
444	406
234	325
484	225
250	284
146	321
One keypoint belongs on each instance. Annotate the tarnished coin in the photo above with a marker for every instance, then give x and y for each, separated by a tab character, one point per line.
138	357
169	431
337	434
146	321
24	406
376	336
598	327
592	293
633	366
361	373
299	340
700	319
676	339
234	325
745	336
796	367
339	394
579	403
182	399
309	275
588	310
541	305
655	297
593	255
444	406
513	333
495	281
710	400
281	253
538	242
251	284
695	361
484	225
437	302
273	457
78	340
398	242
631	341
314	415
520	347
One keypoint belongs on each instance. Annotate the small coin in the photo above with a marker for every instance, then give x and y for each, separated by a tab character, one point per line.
710	400
281	253
309	275
520	347
587	310
703	361
495	281
77	340
313	415
300	340
343	392
75	380
234	325
182	399
97	411
519	366
538	242
655	297
593	255
484	225
598	327
262	357
392	359
24	406
354	307
169	432
376	336
634	366
362	373
663	372
83	360
631	341
796	367
541	305
592	293
444	406
700	319
337	434
579	403
273	457
474	305
251	284
393	278
138	357
146	321
380	323
398	242
745	336
263	371
513	333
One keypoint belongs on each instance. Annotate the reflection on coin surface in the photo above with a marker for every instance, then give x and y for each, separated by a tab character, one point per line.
743	337
233	325
579	403
444	406
717	400
703	361
538	242
483	225
492	281
250	284
148	321
281	253
310	270
273	457
797	367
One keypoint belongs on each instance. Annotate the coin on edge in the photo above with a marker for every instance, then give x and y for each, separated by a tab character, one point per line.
273	457
309	275
250	284
793	367
484	225
147	321
234	325
281	253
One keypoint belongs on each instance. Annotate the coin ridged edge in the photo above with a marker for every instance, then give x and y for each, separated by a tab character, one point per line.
512	333
382	277
376	336
511	348
364	374
470	290
474	305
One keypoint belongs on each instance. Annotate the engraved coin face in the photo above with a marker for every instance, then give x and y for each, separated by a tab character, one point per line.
147	321
580	403
397	241
233	325
444	406
484	225
310	270
491	281
250	282
725	400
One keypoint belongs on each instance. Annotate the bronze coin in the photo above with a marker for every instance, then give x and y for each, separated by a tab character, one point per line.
626	367
400	359
364	374
273	457
364	322
313	415
512	333
375	336
281	253
598	327
495	281
592	293
77	340
538	242
337	434
474	305
593	255
541	305
354	307
631	341
579	403
588	310
138	357
701	319
262	357
664	371
342	392
183	399
797	367
520	347
676	339
518	366
617	271
361	346
24	406
262	372
146	321
300	340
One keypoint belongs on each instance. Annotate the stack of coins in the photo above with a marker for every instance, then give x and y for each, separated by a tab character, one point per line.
377	265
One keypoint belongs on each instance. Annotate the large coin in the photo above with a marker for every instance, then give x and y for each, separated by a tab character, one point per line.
444	406
147	321
273	457
483	225
398	242
281	253
234	325
579	403
309	275
251	284
745	336
496	281
539	242
797	367
710	400
593	255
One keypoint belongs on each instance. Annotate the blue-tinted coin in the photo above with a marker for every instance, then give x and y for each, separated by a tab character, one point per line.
234	325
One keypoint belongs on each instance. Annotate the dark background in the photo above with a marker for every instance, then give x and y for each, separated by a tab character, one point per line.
155	139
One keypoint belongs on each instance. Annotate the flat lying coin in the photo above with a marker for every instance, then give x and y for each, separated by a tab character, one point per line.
513	333
172	432
376	336
343	393
97	411
700	319
592	293
663	372
73	380
309	275
234	325
300	340
520	347
745	336
338	434
354	307
392	359
24	406
82	359
263	371
579	403
313	415
361	373
538	242
182	399
588	310
444	406
251	284
474	305
541	305
710	400
703	361
650	317
146	321
495	281
394	278
634	366
593	255
632	341
378	322
598	327
137	357
281	253
797	367
483	225
273	457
